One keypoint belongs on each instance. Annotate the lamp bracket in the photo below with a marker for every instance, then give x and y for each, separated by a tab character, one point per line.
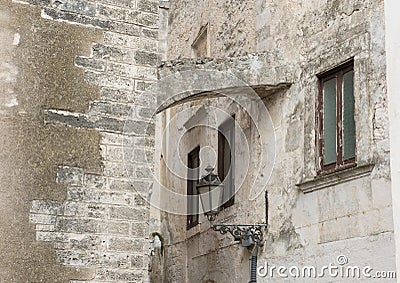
242	232
211	216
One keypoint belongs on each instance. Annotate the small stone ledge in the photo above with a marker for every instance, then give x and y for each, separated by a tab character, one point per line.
184	80
255	69
138	127
335	178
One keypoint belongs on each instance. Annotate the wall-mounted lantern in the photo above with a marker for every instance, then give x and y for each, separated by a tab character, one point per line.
210	190
251	236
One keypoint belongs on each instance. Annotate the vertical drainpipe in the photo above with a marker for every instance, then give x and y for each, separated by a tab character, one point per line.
253	265
266	210
253	259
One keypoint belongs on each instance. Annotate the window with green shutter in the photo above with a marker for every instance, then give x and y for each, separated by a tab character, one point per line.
335	119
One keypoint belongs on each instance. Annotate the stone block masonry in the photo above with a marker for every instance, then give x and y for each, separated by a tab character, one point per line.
96	225
102	224
312	218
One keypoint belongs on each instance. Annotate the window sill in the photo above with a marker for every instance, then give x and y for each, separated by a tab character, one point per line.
335	178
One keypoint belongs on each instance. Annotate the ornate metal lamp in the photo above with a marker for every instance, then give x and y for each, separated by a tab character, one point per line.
210	190
251	236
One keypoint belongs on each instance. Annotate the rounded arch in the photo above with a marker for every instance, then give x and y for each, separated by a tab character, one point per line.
192	85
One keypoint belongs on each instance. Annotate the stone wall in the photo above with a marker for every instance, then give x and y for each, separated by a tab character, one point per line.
312	220
70	72
230	27
392	40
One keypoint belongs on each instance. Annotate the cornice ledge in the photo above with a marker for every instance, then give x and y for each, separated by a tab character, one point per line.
324	181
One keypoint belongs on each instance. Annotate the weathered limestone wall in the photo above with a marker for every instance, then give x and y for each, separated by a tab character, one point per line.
70	71
312	221
220	259
230	27
326	35
392	37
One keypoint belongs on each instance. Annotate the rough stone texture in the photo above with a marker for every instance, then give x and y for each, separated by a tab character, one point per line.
267	68
231	27
351	217
265	73
70	71
392	40
36	73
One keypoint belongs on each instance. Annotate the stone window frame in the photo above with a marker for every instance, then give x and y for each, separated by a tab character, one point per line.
227	128
232	110
203	32
326	59
229	212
